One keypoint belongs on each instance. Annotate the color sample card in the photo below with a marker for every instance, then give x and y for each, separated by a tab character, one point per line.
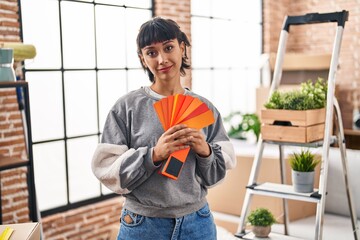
181	109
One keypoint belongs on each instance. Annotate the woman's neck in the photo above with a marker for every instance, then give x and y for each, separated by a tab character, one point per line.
167	89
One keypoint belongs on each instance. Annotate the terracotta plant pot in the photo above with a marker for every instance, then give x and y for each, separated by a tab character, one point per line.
261	231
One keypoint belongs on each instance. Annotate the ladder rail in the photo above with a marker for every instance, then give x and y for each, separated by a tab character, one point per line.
283	181
255	168
327	134
342	146
279	62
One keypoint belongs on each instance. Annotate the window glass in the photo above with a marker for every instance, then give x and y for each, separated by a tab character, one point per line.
112	2
201	7
110	37
82	182
226	48
112	85
105	190
78	35
47	42
128	3
137	79
50	177
45	91
138	3
80	103
201	50
204	82
221	88
222	43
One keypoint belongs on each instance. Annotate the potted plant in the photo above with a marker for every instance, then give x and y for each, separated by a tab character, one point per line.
303	169
261	220
297	115
241	126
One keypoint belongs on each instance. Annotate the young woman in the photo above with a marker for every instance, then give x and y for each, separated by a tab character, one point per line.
134	145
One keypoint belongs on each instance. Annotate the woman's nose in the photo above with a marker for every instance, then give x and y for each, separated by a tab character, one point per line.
162	58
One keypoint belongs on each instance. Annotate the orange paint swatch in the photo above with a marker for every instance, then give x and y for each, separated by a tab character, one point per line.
181	109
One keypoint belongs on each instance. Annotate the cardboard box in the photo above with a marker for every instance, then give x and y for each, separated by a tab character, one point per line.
302	126
228	196
23	231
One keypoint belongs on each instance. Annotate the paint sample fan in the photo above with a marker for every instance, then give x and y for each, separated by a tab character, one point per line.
181	109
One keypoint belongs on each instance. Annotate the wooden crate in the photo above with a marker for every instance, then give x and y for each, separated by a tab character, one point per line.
301	126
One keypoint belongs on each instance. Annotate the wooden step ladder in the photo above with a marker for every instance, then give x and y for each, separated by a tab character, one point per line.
286	191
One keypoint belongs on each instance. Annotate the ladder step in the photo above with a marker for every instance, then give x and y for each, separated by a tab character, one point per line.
272	236
283	191
314	144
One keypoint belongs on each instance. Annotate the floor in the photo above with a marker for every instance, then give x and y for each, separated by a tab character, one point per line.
335	227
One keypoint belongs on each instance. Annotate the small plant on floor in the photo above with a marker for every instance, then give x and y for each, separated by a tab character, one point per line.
261	220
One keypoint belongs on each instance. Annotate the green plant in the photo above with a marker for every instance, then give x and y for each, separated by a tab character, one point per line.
304	161
309	96
240	124
261	217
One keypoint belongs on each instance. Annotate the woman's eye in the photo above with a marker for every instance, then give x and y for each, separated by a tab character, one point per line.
150	53
169	48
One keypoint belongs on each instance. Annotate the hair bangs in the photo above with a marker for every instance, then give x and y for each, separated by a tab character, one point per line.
155	33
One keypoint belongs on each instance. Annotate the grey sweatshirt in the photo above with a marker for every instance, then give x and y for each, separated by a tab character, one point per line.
123	160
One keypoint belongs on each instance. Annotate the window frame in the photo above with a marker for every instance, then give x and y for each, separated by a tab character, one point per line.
62	71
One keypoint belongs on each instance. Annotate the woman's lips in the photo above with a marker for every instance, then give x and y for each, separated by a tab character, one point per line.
165	69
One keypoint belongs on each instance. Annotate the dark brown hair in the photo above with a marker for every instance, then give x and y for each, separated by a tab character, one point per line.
159	30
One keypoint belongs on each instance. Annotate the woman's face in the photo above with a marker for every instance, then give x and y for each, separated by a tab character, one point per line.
163	59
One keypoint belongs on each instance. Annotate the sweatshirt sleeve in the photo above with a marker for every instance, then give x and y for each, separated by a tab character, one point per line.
117	166
212	170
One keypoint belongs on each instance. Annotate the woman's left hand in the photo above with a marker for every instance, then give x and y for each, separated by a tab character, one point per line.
198	143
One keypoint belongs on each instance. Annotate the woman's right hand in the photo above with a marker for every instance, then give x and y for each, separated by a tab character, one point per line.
174	139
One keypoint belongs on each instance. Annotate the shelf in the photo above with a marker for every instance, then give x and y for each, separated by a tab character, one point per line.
303	61
11	84
283	191
352	132
315	144
272	236
12	162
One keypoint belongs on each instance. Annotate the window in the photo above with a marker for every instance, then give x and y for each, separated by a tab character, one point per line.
226	47
86	59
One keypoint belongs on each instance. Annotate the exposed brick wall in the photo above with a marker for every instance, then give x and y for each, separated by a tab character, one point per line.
14	194
9	21
178	11
316	38
273	18
11	129
95	222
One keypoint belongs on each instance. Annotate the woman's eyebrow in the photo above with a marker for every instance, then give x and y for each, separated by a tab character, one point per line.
167	41
148	47
163	43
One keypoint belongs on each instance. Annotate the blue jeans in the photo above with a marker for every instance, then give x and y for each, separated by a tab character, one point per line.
198	225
